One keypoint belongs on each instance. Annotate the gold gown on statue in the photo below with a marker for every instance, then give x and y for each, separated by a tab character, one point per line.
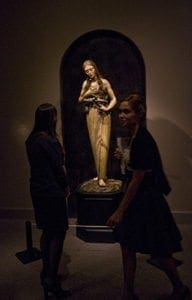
99	128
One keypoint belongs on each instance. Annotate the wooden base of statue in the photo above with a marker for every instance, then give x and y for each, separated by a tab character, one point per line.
95	205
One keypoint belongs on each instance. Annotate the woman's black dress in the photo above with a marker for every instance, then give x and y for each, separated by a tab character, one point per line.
148	225
48	181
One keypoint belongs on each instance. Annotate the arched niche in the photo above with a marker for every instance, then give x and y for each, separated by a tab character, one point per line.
120	61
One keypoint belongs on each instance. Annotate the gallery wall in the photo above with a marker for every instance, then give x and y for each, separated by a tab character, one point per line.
34	37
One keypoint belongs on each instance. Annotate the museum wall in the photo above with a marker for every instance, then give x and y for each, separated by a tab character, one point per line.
34	37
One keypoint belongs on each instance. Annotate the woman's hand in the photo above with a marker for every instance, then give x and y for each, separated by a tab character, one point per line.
67	192
118	154
115	218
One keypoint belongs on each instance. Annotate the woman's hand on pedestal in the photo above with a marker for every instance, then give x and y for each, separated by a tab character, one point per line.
115	218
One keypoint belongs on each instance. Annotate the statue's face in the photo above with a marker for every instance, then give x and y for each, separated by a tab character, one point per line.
90	71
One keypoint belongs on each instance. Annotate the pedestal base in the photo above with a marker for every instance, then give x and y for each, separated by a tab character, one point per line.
95	234
29	255
93	210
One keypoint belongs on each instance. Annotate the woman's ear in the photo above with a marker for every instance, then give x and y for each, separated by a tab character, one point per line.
142	114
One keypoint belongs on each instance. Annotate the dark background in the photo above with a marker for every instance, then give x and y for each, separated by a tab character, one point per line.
34	36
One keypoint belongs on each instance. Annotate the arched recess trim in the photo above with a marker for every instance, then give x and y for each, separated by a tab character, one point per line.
120	61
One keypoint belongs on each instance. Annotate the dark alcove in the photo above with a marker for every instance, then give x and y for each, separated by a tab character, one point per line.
120	61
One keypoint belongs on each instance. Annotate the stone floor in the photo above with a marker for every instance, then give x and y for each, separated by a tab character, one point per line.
91	270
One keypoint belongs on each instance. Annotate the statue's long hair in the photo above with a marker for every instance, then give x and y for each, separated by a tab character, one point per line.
98	74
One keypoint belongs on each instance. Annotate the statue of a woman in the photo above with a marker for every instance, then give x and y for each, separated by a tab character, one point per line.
98	98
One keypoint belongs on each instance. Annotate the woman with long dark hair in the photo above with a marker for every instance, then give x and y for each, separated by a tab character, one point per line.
99	99
49	189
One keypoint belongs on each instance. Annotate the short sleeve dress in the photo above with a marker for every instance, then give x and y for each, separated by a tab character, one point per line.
148	225
47	181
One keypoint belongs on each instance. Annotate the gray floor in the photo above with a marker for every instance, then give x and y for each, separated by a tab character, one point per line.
92	270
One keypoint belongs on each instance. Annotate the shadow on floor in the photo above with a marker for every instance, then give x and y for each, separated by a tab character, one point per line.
92	270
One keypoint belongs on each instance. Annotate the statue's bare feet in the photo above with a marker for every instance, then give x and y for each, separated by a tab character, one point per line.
95	178
102	182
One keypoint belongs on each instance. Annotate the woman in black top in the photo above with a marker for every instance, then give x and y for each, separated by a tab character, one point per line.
49	189
143	221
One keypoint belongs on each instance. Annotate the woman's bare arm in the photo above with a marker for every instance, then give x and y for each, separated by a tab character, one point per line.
129	195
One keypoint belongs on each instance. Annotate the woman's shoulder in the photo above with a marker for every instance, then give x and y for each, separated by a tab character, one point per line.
144	133
40	138
145	138
42	135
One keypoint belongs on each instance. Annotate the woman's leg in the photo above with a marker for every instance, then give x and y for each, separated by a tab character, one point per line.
170	269
44	246
51	244
129	268
155	262
55	252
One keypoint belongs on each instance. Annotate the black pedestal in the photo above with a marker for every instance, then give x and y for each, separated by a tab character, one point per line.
93	210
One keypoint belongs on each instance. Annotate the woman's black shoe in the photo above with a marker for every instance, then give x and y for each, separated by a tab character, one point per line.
185	294
43	275
54	288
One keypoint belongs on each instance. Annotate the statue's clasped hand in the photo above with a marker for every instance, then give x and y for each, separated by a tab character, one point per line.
103	108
